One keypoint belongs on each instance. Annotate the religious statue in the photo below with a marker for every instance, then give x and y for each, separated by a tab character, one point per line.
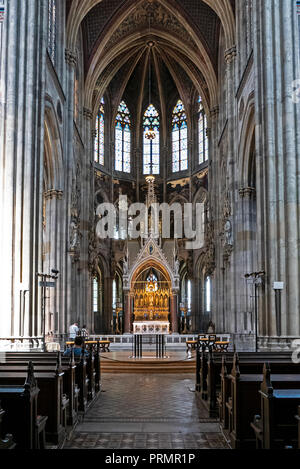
74	234
228	233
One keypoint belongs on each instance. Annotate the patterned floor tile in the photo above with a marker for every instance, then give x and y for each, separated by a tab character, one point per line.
163	402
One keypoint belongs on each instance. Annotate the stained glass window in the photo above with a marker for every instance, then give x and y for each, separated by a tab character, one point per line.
151	147
202	134
179	139
122	139
208	294
96	294
52	29
99	135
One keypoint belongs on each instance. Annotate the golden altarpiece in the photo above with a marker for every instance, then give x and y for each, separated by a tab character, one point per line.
151	282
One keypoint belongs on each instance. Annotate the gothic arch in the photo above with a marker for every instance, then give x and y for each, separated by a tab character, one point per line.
53	160
102	59
246	143
80	8
146	265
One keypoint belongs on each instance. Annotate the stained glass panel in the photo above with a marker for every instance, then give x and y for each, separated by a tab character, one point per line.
123	139
151	147
202	134
99	135
179	138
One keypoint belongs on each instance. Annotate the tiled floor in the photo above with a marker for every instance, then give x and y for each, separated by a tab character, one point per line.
147	412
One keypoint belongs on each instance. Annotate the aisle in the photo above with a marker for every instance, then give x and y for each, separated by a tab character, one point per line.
149	412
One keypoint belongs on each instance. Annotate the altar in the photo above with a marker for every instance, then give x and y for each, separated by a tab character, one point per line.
151	327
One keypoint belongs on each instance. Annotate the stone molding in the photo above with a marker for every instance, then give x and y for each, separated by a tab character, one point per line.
70	57
53	194
87	113
214	112
230	54
247	192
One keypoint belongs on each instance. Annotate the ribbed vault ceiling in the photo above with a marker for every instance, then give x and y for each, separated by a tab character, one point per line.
183	57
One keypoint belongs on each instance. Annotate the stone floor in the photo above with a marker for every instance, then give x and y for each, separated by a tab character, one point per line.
141	411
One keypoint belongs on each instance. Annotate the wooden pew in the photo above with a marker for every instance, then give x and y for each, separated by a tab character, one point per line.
87	377
41	368
20	404
93	366
208	379
69	390
245	402
275	427
50	401
247	365
202	364
6	441
298	420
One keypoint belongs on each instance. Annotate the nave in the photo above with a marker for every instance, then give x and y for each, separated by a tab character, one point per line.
147	411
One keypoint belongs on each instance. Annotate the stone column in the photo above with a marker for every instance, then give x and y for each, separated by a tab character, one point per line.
71	313
52	245
127	312
108	313
277	154
21	170
174	309
87	217
229	263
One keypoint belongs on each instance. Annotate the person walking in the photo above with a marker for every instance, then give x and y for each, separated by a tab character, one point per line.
73	330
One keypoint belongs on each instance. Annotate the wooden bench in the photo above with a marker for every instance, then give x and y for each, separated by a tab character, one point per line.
221	346
6	441
191	345
245	402
209	366
298	421
104	345
51	401
81	378
20	403
52	362
275	427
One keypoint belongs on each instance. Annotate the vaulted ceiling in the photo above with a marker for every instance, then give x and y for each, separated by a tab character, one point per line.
179	39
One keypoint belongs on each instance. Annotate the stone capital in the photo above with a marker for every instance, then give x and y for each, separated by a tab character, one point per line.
214	113
247	192
87	113
70	57
230	54
53	194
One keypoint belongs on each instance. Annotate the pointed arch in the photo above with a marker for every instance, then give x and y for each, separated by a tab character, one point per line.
123	139
202	134
151	147
179	138
99	140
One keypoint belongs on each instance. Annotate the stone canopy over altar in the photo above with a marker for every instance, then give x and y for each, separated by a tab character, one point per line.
151	281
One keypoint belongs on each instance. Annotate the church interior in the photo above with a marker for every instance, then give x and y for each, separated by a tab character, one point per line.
150	224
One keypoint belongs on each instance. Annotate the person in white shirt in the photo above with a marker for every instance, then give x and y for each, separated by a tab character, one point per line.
84	331
73	330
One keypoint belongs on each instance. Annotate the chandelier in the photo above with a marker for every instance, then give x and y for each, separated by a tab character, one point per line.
150	133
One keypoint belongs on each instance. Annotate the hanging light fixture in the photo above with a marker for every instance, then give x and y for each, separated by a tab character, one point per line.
150	133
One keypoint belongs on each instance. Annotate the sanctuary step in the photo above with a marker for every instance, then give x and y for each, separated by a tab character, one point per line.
121	362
